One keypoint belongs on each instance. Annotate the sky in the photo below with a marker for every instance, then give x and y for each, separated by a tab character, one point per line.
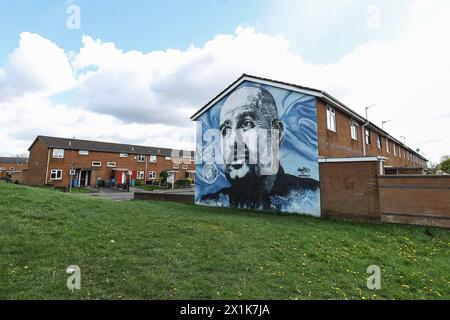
135	71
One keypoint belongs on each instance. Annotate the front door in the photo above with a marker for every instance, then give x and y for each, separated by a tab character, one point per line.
85	178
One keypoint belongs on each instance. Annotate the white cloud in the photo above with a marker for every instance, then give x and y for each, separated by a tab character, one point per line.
147	98
37	67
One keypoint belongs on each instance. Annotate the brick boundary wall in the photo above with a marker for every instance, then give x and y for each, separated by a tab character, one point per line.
169	197
415	199
350	190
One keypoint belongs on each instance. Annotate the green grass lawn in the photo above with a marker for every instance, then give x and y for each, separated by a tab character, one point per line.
154	250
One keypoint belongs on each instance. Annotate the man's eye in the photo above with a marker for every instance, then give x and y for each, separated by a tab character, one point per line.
226	131
247	124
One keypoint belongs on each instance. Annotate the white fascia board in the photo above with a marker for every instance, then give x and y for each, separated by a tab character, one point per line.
352	159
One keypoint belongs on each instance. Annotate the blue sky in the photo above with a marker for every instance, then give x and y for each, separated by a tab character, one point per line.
137	69
143	25
320	35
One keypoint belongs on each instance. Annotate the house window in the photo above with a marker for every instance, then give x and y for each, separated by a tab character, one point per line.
152	175
176	167
354	130
58	153
83	153
379	143
395	149
2	169
140	175
367	134
12	169
141	158
152	159
168	158
96	163
387	146
111	164
331	118
123	155
56	174
185	167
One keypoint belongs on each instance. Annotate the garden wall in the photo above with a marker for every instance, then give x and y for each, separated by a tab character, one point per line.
415	199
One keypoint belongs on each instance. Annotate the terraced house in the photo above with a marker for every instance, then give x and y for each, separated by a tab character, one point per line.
62	162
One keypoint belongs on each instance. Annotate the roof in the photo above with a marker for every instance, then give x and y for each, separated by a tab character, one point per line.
14	160
88	145
305	90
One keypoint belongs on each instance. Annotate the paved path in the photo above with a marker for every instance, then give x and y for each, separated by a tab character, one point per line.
126	196
113	194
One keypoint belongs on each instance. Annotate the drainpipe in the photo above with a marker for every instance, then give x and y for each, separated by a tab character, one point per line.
46	170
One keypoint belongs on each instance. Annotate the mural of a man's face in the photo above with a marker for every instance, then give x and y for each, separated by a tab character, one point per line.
245	112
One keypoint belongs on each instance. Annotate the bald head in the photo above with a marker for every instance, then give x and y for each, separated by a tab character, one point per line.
257	102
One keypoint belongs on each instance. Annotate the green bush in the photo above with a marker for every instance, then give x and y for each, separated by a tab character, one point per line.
139	183
183	183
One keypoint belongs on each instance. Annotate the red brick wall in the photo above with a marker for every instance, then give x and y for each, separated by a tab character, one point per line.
350	190
423	200
37	164
340	143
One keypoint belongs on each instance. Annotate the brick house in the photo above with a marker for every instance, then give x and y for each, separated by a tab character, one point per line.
60	162
12	164
315	128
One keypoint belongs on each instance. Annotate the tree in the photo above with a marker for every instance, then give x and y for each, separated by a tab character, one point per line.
445	164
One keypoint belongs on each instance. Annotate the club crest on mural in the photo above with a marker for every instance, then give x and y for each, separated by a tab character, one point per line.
258	150
210	173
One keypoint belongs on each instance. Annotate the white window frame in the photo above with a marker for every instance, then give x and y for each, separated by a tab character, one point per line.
141	158
354	130
123	155
387	146
168	158
111	164
2	169
185	167
367	137
83	152
152	175
96	164
12	169
379	142
331	118
55	172
152	159
176	167
58	154
395	148
140	175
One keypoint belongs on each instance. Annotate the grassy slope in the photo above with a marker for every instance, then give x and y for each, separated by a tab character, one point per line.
174	251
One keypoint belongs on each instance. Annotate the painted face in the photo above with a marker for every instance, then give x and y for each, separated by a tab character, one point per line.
243	115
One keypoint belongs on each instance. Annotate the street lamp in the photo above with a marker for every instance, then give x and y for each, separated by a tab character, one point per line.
367	108
363	128
384	122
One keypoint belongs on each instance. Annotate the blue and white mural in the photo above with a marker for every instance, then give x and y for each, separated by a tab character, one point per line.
257	122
